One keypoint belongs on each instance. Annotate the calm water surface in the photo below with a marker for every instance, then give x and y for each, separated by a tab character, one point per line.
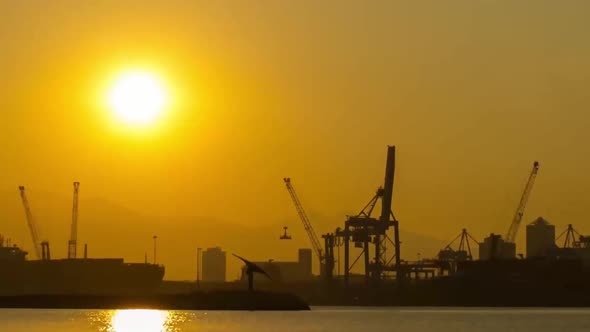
319	319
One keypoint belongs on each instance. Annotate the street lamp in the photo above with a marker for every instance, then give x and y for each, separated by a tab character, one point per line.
155	239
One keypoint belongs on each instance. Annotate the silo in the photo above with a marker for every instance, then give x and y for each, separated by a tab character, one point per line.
540	238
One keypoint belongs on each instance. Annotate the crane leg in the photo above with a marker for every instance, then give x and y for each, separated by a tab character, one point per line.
346	257
366	249
399	273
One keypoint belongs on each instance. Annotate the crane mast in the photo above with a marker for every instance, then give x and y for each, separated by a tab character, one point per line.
511	235
31	223
313	238
72	243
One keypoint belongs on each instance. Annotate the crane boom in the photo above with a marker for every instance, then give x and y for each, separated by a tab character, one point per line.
72	243
313	238
31	223
511	235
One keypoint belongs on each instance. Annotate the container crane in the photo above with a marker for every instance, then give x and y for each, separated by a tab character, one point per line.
463	252
31	223
313	238
571	237
511	235
72	243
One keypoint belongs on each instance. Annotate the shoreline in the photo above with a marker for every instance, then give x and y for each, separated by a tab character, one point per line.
222	300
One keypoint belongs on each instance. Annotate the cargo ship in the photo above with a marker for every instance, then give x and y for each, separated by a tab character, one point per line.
97	276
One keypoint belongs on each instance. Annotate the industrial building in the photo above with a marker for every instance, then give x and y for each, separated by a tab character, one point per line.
214	265
540	238
574	247
287	272
494	247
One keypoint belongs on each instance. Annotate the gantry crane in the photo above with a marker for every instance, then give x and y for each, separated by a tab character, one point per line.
313	238
72	243
571	237
511	235
31	222
463	252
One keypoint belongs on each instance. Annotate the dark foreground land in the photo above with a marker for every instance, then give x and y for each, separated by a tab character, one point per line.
220	300
443	292
449	293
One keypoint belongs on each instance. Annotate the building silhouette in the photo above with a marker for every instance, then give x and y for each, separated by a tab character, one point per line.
494	247
540	238
214	265
278	271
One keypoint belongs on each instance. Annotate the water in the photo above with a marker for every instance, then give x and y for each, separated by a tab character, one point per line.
319	319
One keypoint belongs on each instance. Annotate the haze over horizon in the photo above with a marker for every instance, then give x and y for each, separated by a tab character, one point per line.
471	93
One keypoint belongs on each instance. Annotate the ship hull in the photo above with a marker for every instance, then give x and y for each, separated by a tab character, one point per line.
78	276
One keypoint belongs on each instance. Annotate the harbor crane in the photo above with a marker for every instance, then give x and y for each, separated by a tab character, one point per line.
72	243
516	221
370	232
463	252
31	223
573	239
313	238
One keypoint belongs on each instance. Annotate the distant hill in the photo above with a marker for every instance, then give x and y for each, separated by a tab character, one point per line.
111	230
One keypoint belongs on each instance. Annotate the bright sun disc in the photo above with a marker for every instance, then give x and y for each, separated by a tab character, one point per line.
137	97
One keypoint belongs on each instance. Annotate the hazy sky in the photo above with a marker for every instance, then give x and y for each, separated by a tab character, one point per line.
470	92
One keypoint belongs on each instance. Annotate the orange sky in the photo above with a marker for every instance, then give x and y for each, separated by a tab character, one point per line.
470	93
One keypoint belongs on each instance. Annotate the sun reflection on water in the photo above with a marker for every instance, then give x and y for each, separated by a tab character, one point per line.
135	320
139	320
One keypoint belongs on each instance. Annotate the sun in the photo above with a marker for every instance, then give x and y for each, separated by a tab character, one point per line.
138	97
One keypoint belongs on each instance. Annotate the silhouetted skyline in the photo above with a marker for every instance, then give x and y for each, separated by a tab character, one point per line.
469	92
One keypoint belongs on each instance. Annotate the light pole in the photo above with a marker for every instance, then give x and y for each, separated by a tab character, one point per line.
155	239
198	267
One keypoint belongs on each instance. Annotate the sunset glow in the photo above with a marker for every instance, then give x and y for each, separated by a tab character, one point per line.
138	97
